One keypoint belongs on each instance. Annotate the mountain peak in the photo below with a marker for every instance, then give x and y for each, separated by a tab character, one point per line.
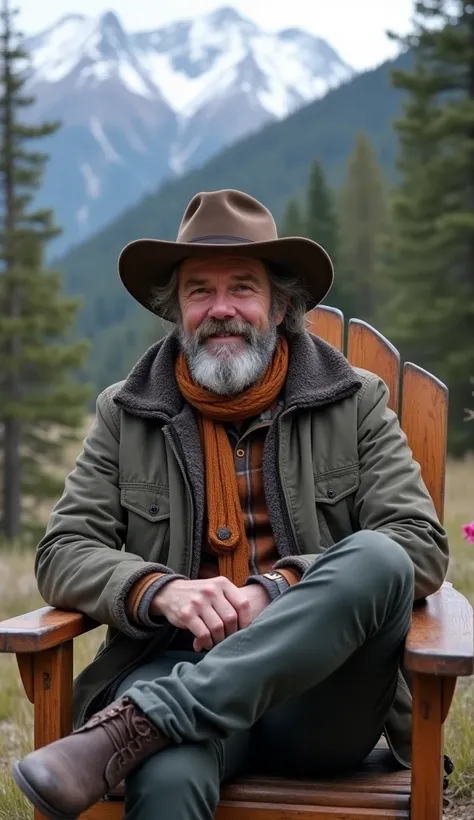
112	33
140	106
226	15
110	20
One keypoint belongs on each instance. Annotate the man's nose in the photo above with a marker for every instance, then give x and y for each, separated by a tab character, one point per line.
222	307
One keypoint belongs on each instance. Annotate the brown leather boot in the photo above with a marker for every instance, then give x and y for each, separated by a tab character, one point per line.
68	776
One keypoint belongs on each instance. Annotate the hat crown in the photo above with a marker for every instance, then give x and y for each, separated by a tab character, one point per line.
226	213
223	222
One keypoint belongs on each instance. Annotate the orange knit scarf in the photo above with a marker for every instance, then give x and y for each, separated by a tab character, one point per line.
223	504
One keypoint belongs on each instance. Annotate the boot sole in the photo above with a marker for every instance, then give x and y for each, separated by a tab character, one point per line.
35	798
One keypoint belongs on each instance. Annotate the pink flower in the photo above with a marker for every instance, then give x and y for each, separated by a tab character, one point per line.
468	531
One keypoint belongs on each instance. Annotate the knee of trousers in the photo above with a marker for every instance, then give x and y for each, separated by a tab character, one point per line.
175	777
372	560
380	558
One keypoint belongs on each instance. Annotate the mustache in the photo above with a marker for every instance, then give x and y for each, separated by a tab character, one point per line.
218	327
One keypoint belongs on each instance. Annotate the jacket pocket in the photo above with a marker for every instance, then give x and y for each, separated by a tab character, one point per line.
148	525
334	497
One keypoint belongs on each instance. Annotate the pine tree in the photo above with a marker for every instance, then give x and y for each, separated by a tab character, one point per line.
315	218
431	262
41	404
293	223
361	213
320	216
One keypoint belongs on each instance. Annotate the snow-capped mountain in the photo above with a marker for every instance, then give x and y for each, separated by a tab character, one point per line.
138	107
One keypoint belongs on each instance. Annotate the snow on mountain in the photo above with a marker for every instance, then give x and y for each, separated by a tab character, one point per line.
137	107
94	49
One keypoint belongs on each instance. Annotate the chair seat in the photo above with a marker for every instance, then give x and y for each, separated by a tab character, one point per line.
378	778
378	788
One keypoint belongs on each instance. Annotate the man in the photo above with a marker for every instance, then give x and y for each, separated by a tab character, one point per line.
248	520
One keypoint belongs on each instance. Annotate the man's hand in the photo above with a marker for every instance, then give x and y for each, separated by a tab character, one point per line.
258	599
210	608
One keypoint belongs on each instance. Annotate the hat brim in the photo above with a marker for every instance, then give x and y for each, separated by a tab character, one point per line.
148	263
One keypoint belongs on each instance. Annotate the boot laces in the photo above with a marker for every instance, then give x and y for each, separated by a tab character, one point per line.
128	732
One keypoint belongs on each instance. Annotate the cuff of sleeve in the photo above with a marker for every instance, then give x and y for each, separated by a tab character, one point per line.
292	574
274	587
143	611
136	594
294	564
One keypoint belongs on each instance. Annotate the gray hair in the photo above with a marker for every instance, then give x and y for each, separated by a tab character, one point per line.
286	292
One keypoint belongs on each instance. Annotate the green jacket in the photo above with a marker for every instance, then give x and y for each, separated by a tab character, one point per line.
335	462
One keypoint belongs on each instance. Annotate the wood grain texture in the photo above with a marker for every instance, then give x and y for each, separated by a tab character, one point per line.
424	419
309	796
427	749
328	323
53	694
42	629
441	638
26	668
367	348
377	787
265	811
262	811
52	676
447	694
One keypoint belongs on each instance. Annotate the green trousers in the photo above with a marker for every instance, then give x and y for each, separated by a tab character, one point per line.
304	690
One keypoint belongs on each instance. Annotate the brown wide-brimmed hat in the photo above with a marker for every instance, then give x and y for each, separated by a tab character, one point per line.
224	222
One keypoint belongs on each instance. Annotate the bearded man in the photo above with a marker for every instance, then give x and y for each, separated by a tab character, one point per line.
248	520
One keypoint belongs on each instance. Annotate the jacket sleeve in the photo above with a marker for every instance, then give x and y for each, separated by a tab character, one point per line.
392	497
80	564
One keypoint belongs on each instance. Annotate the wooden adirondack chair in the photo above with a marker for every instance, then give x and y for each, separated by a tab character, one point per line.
439	647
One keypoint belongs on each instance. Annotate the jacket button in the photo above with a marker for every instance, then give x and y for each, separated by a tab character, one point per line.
223	534
154	508
331	493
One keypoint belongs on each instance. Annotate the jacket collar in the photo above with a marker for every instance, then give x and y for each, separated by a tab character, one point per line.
318	374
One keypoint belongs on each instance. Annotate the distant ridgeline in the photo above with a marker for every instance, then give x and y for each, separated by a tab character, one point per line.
139	107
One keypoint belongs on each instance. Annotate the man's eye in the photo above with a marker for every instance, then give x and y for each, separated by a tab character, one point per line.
243	286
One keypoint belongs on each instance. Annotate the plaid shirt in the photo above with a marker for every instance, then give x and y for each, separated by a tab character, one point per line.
248	441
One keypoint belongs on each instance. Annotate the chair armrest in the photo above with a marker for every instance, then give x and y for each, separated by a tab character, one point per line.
42	629
441	638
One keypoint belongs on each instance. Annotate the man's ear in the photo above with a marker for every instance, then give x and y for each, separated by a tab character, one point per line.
280	314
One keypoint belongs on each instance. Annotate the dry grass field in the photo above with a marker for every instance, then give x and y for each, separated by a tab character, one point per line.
18	594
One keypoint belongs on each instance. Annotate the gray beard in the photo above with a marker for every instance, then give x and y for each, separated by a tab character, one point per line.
228	372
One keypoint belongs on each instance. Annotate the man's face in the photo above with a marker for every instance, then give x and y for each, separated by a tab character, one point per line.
228	331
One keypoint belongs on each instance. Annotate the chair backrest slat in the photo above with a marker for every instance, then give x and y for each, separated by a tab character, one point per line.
423	409
328	323
367	348
424	419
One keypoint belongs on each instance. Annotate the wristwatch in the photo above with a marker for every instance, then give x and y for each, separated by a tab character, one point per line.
273	581
278	579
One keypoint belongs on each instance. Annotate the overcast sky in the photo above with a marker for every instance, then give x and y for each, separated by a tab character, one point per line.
355	28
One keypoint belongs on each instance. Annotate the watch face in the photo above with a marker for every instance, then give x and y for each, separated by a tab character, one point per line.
273	576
